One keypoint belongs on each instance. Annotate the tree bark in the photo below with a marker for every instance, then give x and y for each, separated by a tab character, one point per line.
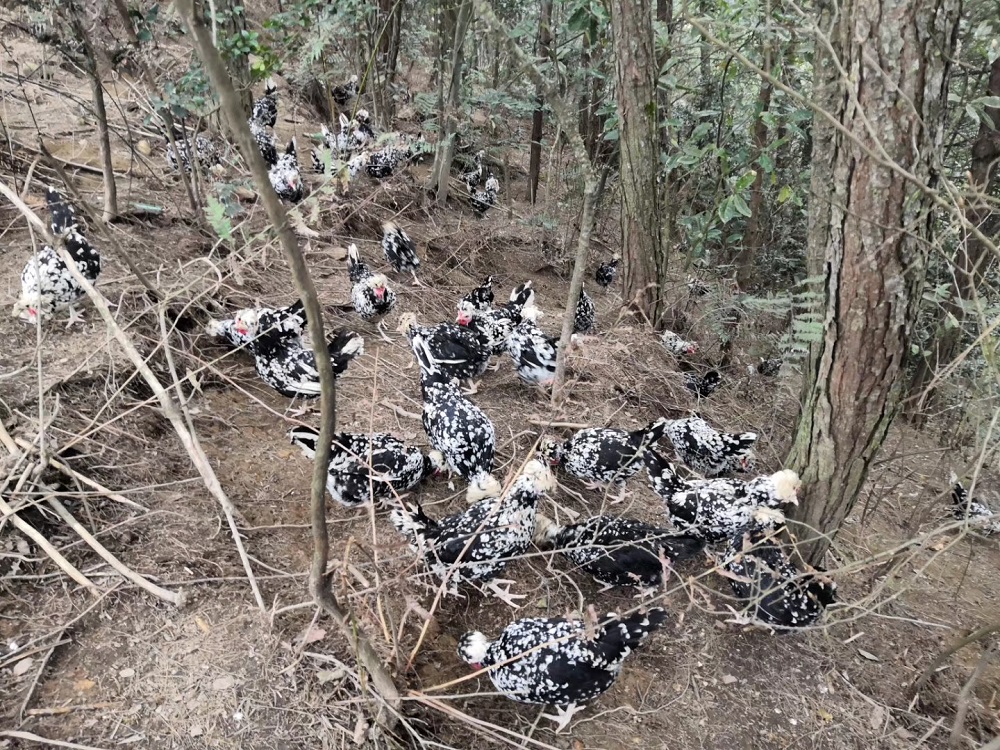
445	152
535	155
100	112
319	579
756	229
868	226
971	258
645	258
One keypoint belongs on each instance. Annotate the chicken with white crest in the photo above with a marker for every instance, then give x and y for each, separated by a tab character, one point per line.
496	324
46	282
476	545
676	345
557	661
371	294
715	509
289	319
366	467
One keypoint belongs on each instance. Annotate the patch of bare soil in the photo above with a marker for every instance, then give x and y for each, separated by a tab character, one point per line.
125	669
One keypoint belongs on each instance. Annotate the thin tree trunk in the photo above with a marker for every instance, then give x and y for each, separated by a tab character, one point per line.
868	229
319	580
563	117
535	153
446	144
100	111
971	257
756	229
645	259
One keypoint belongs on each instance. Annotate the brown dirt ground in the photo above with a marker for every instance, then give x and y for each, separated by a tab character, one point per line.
220	673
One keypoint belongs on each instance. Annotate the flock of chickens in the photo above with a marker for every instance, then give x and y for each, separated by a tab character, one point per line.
557	661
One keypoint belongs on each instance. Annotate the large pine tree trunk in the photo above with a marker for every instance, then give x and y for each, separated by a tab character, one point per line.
970	260
868	226
635	66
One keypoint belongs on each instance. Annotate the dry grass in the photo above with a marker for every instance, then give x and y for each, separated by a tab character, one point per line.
221	674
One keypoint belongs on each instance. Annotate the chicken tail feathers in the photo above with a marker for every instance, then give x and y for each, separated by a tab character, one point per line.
63	216
622	634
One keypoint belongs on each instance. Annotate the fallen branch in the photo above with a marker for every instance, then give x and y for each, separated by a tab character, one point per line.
29	531
177	599
18	735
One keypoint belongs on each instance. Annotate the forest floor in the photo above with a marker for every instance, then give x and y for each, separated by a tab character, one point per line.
125	668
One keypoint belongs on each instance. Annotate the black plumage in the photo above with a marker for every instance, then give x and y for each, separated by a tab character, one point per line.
205	151
483	200
478	543
290	319
603	454
342	94
265	109
556	661
284	175
768	367
285	364
715	509
697	287
265	140
474	177
364	467
985	520
457	351
705	385
708	451
496	324
772	590
46	282
617	551
532	350
480	298
456	427
399	249
607	272
371	294
586	314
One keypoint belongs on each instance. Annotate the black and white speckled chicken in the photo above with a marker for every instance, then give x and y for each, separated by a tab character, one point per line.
365	467
774	592
363	130
480	298
371	294
265	109
283	362
344	93
290	319
400	250
677	346
206	153
696	287
46	282
556	661
715	509
456	426
984	520
766	367
476	176
700	385
533	351
607	272
284	175
380	163
477	544
586	314
265	140
708	451
496	324
617	551
603	455
483	200
457	351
